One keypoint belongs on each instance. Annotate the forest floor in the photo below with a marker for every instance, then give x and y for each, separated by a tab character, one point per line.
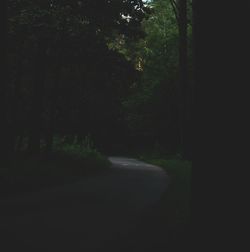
118	210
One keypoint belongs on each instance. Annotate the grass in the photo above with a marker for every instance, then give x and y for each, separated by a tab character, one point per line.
67	163
176	201
174	210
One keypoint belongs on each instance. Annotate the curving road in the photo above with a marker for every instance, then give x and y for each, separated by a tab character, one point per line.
93	214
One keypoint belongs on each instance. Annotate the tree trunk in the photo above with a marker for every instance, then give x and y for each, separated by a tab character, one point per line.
51	127
37	101
191	90
183	76
52	112
19	144
15	103
5	145
79	138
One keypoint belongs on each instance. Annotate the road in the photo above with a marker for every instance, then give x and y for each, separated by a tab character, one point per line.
93	214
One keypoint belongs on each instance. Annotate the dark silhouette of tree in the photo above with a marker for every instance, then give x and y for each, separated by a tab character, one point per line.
180	8
37	101
5	132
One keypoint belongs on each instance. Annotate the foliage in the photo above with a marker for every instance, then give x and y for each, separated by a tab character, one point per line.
152	109
84	151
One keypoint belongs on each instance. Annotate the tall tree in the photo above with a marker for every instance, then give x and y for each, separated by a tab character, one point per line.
5	147
180	10
37	101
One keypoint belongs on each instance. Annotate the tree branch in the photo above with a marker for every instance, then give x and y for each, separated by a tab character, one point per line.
175	9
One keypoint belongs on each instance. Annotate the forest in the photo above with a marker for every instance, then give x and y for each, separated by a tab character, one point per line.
92	87
116	72
104	106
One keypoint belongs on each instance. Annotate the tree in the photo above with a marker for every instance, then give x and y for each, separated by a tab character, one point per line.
5	132
64	36
151	108
180	8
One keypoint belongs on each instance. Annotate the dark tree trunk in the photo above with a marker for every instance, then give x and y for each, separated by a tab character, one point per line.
183	77
190	118
19	144
52	112
51	127
37	101
180	10
15	104
79	139
5	145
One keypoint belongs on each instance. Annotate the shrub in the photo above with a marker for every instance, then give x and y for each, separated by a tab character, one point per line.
84	154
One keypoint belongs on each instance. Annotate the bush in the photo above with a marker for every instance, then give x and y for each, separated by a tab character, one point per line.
83	153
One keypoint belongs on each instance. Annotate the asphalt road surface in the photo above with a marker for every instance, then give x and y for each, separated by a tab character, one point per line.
108	212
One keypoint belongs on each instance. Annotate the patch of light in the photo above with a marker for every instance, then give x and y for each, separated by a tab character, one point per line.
127	17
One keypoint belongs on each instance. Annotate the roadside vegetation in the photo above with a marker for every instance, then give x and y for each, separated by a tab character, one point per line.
68	162
177	199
